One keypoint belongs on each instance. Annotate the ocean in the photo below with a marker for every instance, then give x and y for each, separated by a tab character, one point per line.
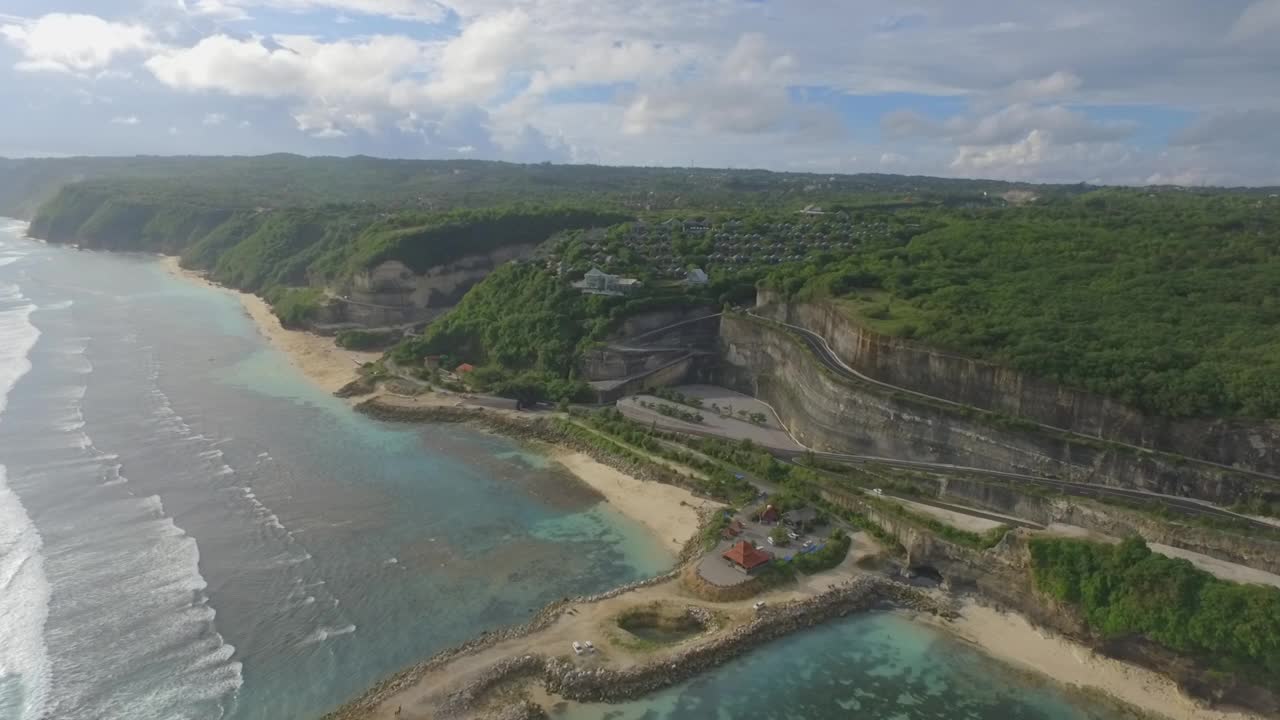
877	666
190	529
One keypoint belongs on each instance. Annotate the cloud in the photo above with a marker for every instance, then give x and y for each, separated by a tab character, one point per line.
214	119
1259	19
1010	124
61	42
993	87
126	120
1256	128
288	66
477	64
410	10
745	92
1052	85
1028	151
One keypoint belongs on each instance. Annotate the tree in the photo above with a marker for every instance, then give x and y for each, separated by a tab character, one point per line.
779	536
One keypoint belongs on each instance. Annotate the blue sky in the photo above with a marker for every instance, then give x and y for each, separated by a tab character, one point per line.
1146	91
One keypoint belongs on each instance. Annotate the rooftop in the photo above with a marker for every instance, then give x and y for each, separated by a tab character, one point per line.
745	554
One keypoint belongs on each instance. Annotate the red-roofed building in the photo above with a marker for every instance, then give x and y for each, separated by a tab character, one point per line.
464	368
770	514
746	557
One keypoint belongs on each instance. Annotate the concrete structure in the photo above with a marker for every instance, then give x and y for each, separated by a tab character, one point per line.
696	277
598	282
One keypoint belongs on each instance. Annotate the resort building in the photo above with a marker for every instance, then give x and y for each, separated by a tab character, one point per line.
597	282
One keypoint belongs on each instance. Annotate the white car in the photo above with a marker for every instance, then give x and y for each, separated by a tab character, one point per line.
877	491
793	536
759	606
577	647
587	644
769	539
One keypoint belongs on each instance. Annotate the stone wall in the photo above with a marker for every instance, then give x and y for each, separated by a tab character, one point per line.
831	413
1253	445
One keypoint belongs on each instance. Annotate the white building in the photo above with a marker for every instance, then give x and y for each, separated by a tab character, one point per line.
696	277
597	282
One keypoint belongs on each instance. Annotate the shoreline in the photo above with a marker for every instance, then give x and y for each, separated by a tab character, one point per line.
315	356
1013	640
671	514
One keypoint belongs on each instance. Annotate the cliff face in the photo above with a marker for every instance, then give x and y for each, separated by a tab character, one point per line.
1245	444
1252	551
392	294
832	414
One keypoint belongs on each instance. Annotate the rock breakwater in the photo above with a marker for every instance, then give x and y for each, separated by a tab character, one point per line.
561	676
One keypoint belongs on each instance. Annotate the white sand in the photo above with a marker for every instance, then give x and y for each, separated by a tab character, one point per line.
323	362
1015	641
671	513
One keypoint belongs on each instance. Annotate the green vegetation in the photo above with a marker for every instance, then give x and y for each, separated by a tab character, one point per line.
423	241
1163	301
779	536
366	339
278	181
832	553
673	411
1126	589
675	396
525	327
714	529
295	306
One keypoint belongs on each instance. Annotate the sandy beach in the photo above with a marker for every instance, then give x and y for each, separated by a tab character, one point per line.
671	513
323	362
1014	640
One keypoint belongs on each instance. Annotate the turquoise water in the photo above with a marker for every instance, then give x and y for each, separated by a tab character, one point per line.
879	666
190	529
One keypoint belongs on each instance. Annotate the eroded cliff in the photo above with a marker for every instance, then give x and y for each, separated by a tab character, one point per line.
1242	443
827	412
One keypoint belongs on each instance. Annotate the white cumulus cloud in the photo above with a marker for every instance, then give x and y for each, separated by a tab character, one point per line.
64	42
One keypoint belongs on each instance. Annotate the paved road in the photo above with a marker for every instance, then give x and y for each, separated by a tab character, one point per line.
1185	506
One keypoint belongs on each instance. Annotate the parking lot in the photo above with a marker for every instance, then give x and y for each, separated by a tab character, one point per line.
716	570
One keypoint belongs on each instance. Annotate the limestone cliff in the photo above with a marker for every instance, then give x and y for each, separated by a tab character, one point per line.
830	413
392	294
1241	443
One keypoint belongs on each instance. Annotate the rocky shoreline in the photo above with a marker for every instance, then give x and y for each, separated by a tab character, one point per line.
562	677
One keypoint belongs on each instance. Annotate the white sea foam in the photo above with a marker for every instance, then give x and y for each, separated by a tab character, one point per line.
321	634
24	588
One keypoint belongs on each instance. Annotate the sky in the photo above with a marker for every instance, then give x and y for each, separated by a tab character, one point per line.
1136	92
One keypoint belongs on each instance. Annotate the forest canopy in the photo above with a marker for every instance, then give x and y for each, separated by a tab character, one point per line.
1167	302
1127	589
